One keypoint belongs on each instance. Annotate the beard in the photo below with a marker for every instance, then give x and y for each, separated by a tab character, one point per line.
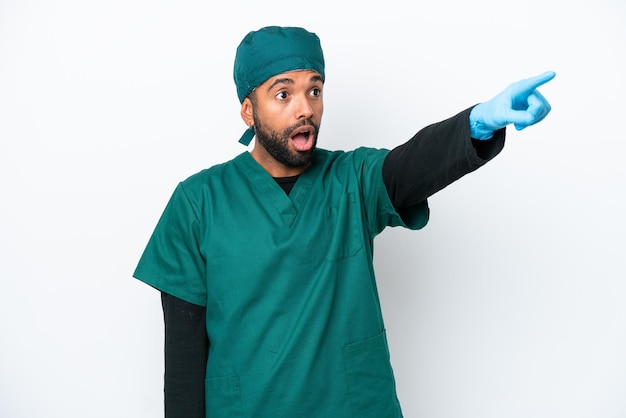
277	143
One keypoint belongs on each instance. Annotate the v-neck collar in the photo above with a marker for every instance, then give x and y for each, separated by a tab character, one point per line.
286	205
287	183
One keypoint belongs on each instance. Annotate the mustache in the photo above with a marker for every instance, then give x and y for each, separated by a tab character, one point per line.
302	123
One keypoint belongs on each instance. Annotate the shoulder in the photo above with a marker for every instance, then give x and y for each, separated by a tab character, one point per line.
359	157
216	172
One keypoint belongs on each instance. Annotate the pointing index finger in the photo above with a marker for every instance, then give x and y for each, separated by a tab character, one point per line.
530	84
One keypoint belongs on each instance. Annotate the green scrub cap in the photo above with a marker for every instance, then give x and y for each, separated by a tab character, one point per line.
270	51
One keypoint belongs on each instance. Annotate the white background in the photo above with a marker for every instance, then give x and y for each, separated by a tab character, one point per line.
510	303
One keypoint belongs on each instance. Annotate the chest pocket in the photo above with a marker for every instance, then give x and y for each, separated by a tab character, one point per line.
344	228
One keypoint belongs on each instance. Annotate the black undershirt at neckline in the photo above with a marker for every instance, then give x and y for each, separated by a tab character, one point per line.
287	183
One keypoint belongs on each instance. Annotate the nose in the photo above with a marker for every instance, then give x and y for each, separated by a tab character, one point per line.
304	108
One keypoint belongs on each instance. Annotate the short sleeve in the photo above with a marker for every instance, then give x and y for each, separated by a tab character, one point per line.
172	261
378	206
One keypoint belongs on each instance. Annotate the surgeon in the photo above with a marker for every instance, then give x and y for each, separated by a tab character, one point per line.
264	262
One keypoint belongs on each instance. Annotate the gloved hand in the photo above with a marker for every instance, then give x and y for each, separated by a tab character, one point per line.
520	104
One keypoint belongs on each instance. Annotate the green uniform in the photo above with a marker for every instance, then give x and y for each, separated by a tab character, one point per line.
293	314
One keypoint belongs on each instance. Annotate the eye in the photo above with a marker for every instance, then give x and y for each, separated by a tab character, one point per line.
316	92
281	95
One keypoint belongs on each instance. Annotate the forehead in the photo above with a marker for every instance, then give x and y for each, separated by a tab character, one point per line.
293	77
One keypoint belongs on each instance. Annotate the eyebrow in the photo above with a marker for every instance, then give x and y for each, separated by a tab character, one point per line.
286	80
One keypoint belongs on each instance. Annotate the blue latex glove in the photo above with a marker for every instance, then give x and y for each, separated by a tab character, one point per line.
519	104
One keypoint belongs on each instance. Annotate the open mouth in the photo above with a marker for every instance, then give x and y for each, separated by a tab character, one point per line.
302	138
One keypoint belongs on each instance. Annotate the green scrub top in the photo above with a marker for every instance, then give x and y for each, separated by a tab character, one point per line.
292	309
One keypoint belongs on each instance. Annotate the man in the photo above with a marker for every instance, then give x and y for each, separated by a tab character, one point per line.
265	262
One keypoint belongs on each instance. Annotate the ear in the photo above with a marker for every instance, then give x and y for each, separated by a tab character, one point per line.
247	112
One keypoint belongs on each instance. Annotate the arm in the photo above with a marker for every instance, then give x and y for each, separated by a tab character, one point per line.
186	352
442	153
434	158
